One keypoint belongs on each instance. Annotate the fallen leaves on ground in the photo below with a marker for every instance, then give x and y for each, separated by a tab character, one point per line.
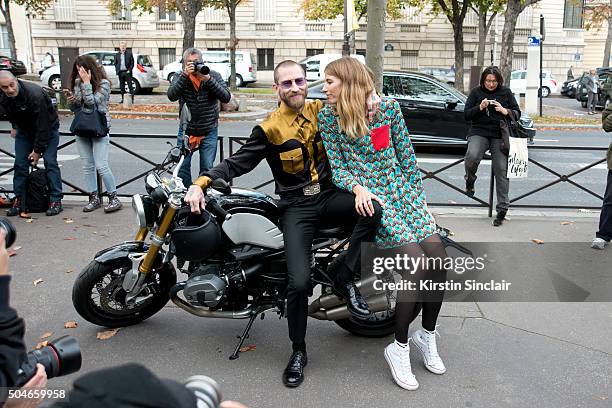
37	282
30	220
452	202
70	324
567	222
46	335
537	241
70	270
13	251
106	334
250	347
69	238
145	108
68	220
42	344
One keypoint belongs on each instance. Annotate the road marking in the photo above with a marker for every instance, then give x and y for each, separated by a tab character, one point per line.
547	140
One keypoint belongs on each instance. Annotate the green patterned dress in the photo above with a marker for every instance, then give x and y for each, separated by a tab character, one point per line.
389	170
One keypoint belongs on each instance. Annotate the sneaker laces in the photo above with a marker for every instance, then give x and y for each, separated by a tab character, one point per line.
430	341
404	355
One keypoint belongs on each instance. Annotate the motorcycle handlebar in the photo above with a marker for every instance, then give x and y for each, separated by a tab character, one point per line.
219	212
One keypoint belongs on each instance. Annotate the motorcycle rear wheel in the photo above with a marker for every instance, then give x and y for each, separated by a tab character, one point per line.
380	325
97	294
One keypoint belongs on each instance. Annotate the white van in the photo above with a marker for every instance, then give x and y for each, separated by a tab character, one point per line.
246	70
315	65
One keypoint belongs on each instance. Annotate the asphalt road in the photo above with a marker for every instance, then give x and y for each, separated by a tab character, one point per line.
126	166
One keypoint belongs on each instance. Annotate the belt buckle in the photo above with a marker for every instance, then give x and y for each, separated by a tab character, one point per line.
312	189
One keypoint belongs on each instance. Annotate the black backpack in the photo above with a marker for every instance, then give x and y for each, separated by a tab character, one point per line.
37	191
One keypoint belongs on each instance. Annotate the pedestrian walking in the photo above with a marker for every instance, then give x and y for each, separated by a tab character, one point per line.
604	235
124	64
592	86
570	73
486	106
90	91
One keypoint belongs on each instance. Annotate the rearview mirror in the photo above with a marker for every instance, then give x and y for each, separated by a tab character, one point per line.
450	104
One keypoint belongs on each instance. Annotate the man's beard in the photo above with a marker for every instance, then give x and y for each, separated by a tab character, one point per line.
293	102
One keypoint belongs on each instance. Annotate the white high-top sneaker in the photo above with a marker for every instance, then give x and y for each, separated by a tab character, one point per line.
398	358
426	343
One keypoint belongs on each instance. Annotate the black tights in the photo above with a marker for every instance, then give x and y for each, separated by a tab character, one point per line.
409	302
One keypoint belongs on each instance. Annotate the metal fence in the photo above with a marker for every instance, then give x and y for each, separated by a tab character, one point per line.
437	174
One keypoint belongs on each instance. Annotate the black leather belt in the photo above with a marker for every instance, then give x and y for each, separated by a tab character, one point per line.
306	191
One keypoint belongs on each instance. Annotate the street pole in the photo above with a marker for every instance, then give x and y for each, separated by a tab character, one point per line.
542	34
345	44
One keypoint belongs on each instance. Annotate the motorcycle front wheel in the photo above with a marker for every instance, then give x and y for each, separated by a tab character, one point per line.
98	295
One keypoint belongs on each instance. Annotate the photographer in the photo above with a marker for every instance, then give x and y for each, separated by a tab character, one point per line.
486	106
201	90
12	348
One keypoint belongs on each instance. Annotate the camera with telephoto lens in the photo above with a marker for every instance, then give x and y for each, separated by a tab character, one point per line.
201	68
11	233
61	356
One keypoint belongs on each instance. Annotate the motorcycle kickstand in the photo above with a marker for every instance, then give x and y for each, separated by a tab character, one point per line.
244	336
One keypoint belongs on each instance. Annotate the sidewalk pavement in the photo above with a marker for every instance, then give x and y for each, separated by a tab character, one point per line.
498	354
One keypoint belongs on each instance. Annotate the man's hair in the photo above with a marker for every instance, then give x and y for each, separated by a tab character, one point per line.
286	63
191	51
357	84
6	74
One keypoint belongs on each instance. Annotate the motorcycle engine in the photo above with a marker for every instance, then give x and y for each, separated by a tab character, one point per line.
205	288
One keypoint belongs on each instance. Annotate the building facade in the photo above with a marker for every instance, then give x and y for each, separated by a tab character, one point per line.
274	30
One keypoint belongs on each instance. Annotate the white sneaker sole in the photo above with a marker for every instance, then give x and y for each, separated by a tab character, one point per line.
409	387
427	366
599	246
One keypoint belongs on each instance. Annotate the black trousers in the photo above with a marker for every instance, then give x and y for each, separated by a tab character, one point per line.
123	77
300	220
605	219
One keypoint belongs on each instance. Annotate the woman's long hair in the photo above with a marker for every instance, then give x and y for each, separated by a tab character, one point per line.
357	85
89	63
491	70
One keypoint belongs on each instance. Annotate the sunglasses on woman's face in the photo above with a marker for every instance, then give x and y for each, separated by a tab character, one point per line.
289	83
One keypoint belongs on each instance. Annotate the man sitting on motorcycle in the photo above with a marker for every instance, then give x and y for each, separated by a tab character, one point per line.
290	142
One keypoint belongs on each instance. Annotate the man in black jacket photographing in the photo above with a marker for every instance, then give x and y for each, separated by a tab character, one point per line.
124	64
201	90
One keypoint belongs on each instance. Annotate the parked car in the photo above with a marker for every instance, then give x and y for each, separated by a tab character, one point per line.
11	64
603	92
246	70
569	88
441	74
518	83
432	109
144	75
315	65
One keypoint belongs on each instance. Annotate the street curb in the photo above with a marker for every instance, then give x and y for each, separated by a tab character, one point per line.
566	126
255	113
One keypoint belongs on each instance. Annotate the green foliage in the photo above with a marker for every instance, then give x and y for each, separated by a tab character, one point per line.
330	9
596	14
35	6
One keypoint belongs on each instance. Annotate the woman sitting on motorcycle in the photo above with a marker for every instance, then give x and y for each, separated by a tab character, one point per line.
376	162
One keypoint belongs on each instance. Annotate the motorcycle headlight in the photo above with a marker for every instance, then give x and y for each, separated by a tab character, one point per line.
145	209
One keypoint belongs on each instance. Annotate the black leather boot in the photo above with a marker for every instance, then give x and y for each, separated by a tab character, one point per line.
293	375
499	219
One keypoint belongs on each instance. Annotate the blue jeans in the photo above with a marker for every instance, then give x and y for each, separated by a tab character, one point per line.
94	154
208	151
23	148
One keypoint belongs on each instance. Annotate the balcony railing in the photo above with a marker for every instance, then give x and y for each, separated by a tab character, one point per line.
122	25
319	27
165	25
215	26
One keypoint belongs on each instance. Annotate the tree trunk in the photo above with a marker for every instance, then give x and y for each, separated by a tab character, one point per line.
233	42
513	9
458	39
375	42
189	14
606	59
6	12
482	37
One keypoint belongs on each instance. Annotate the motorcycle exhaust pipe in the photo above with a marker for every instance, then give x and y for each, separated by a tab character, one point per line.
375	304
202	311
365	286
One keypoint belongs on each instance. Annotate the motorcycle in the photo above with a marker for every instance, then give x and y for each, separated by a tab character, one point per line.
233	258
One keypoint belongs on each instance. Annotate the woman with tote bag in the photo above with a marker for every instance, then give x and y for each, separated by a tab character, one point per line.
89	96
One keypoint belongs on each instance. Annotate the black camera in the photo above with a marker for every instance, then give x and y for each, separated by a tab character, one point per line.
201	68
61	356
11	233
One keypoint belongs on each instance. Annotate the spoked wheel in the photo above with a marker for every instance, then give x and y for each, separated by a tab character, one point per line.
98	295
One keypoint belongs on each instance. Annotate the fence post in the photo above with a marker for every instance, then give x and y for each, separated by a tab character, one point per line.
491	188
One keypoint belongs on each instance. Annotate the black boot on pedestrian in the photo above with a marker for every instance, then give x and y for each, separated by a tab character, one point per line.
499	219
469	188
55	207
113	203
94	202
15	209
293	375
